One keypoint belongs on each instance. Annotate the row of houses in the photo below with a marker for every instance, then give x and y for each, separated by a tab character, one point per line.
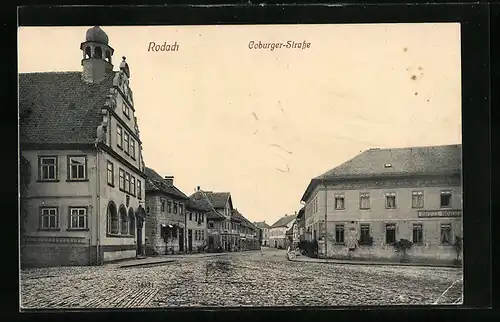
86	196
363	207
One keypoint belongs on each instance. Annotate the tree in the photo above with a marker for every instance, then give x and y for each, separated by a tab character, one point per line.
403	245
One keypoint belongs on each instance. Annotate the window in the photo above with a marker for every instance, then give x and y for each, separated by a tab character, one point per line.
127	182
181	209
175	207
169	206
113	227
119	136
111	174
125	142
390	233
417	199
364	200
202	217
190	216
162	207
49	218
131	222
132	185
339	233
122	179
124	221
418	234
126	111
77	167
390	200
339	202
48	168
211	225
139	189
196	234
445	234
364	236
132	148
77	218
445	198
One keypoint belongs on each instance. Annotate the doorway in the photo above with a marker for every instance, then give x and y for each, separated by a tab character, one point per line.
190	240
181	239
275	244
139	237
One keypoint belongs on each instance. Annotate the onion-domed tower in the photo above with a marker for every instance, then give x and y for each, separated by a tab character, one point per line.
97	55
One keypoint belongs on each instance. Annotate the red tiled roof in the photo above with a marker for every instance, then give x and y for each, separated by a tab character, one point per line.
412	161
59	108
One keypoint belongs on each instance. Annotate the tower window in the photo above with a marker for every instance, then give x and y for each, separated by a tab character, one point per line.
108	56
88	52
98	52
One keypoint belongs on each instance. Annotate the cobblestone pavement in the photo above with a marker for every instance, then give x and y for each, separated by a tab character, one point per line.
238	279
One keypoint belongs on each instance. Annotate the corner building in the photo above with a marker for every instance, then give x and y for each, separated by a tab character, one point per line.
384	195
82	179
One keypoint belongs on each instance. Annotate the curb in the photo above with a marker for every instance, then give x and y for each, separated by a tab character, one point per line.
378	263
148	264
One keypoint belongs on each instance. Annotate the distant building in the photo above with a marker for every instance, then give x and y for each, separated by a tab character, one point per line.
82	179
249	233
277	231
196	220
214	220
265	232
166	215
301	224
384	195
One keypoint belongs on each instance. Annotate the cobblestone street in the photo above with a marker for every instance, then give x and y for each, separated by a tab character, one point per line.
262	278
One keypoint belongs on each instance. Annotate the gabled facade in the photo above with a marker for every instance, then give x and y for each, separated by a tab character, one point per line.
166	215
223	204
384	195
277	231
264	227
81	163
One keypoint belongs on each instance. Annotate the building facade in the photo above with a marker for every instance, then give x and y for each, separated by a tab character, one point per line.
214	221
384	195
166	215
278	230
81	163
248	233
196	221
265	232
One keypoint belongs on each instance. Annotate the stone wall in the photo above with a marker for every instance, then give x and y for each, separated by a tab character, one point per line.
56	255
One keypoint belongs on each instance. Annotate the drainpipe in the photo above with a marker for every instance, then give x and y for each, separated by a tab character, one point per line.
97	208
326	218
185	228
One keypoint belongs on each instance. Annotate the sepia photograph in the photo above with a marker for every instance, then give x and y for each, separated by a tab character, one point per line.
284	165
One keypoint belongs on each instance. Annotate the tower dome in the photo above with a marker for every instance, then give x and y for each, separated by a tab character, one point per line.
96	34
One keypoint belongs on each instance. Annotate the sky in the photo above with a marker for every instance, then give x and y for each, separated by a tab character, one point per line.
260	123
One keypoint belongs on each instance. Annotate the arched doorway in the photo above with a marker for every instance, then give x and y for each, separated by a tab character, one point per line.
275	244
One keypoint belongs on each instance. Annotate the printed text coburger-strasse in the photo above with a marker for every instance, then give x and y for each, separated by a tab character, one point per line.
290	44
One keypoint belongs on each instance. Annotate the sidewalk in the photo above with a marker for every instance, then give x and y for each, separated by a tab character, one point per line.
161	259
303	258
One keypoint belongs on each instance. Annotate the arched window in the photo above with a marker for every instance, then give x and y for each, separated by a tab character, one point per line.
123	221
108	56
88	52
112	218
97	52
131	222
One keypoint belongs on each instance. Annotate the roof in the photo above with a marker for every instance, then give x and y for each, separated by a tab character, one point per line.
243	220
261	225
201	198
194	204
283	221
155	182
60	108
411	161
218	199
301	213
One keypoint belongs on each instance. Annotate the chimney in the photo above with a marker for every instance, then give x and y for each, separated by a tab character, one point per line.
169	180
